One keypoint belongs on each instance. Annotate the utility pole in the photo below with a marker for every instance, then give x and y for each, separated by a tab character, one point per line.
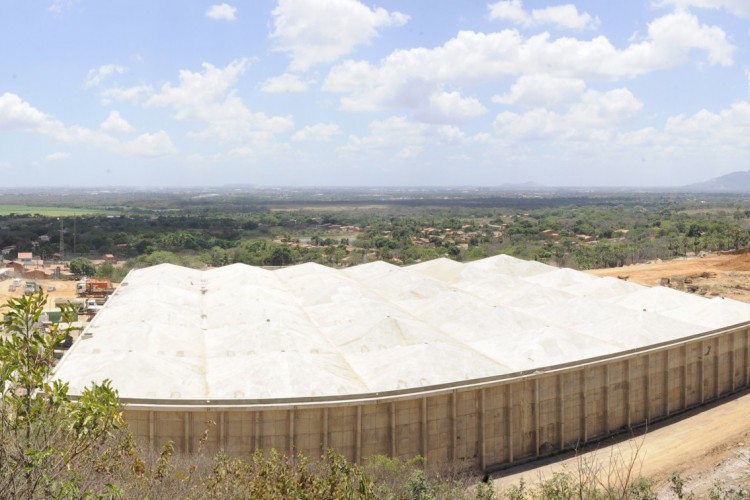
62	242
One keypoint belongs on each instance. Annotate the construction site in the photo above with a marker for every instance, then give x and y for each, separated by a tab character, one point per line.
485	364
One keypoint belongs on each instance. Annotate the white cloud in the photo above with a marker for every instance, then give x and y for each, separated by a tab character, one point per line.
509	10
605	109
428	101
399	138
672	36
315	32
150	145
395	136
717	139
597	129
320	132
95	76
405	77
596	116
131	94
449	107
116	123
196	90
285	83
352	75
451	134
58	6
58	156
737	7
18	115
728	126
222	12
541	90
565	16
210	97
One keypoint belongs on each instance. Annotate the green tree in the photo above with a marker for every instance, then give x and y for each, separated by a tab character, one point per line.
82	267
105	270
46	438
280	255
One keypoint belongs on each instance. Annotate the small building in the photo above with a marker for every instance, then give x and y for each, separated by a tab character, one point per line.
25	258
17	267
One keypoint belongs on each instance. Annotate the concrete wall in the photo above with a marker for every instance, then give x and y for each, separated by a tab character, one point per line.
485	424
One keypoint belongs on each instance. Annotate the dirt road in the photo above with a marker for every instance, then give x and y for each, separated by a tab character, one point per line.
63	288
704	446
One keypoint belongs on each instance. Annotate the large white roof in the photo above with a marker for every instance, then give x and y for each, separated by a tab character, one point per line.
246	333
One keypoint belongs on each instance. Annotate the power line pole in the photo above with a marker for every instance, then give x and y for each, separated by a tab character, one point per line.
62	242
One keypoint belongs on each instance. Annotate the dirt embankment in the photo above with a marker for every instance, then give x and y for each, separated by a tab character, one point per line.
725	275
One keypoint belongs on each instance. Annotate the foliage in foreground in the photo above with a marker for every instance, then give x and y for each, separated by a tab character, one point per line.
48	443
616	476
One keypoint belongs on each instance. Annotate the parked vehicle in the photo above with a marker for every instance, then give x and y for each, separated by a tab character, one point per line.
30	288
94	288
78	304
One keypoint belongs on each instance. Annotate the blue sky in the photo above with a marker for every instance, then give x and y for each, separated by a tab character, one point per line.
355	93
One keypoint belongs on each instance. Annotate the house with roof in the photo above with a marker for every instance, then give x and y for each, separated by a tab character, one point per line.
25	258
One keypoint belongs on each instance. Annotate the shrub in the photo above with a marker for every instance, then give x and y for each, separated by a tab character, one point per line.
49	444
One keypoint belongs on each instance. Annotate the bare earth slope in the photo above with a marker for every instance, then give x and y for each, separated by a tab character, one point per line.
726	274
705	446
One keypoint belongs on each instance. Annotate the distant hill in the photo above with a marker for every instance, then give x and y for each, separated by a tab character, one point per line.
735	182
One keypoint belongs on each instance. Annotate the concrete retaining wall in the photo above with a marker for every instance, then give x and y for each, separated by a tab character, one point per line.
484	424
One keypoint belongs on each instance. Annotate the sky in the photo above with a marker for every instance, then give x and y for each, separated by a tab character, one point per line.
356	93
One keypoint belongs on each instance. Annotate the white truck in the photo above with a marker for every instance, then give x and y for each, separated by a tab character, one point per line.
30	288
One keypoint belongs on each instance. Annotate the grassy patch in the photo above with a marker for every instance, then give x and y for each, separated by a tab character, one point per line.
50	211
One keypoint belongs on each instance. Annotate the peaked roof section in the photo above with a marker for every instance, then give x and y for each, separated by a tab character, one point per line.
246	333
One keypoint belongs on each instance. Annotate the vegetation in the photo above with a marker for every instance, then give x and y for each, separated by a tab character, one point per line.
47	211
81	266
342	229
49	445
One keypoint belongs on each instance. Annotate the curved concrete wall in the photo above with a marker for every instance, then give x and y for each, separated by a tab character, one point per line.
487	423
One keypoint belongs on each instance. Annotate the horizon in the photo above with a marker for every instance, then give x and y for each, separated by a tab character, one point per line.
520	188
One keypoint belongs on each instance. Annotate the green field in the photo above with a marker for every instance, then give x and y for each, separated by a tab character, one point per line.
50	211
